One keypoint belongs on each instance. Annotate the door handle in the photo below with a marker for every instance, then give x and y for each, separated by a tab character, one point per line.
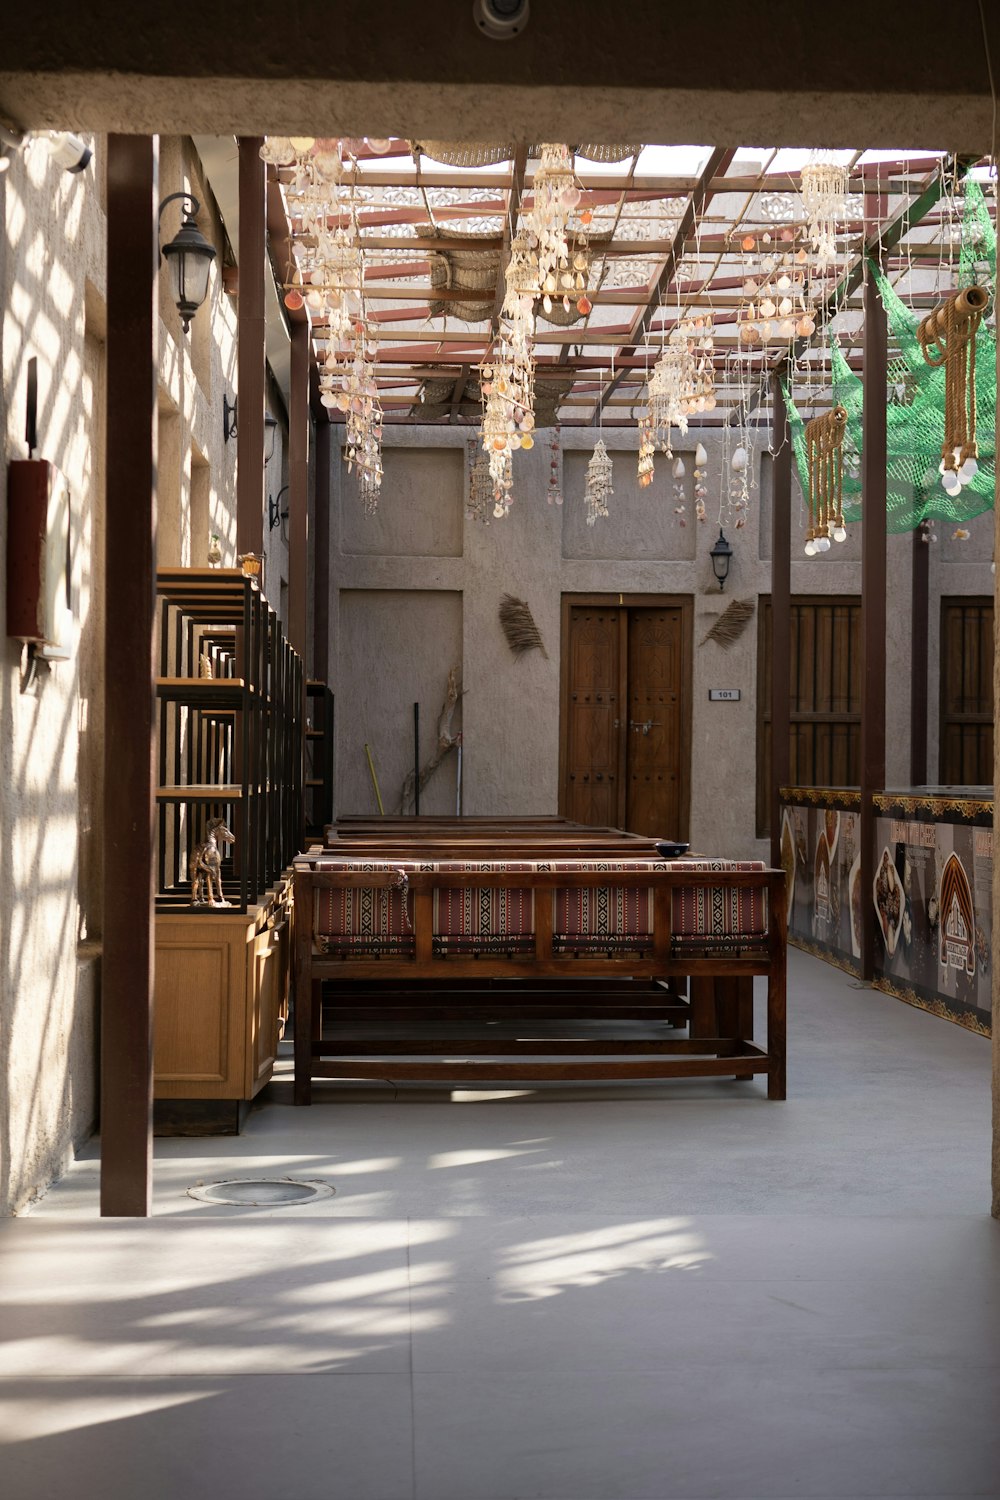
644	724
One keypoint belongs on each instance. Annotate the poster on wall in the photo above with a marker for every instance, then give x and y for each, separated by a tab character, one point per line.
933	903
821	858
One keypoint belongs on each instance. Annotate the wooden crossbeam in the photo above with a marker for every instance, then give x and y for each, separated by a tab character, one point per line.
700	195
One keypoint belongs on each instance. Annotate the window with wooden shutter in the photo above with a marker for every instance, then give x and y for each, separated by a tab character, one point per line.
966	747
824	697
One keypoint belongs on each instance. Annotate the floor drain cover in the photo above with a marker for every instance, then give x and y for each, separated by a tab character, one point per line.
260	1192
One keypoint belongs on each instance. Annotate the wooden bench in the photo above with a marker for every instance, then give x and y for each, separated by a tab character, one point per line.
423	940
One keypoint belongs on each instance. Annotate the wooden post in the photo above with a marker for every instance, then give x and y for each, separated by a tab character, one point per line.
321	554
781	610
250	366
299	420
995	935
873	613
129	672
919	622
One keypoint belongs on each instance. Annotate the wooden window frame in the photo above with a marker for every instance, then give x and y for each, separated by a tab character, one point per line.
983	719
796	716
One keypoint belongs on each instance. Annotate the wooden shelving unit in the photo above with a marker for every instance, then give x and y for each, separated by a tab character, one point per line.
319	758
230	746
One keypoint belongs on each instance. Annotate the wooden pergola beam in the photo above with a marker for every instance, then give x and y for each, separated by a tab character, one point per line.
700	195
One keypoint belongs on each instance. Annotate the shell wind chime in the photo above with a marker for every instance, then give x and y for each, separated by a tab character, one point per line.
555	195
824	451
598	488
824	198
947	336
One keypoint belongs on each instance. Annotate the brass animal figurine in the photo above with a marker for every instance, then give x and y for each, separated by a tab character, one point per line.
205	865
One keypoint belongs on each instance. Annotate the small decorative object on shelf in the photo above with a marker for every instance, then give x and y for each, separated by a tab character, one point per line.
252	564
214	551
205	866
205	667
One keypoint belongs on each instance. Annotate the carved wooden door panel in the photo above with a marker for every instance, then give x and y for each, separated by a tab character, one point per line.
592	727
654	732
626	717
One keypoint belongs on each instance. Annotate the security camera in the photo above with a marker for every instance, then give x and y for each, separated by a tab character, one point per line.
68	151
501	19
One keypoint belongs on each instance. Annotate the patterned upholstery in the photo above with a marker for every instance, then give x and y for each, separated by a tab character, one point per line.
706	920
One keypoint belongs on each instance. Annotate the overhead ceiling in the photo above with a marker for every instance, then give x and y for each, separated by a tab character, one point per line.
668	231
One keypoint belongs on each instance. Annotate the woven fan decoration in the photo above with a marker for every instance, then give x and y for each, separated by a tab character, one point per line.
731	624
519	626
467	270
484	154
598	491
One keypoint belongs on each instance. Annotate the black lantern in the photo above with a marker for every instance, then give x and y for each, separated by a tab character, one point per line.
270	430
721	555
189	256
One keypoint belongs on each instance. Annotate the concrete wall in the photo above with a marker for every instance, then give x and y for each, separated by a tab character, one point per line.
52	289
420	543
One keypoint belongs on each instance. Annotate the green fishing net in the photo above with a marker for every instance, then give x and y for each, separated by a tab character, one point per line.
916	401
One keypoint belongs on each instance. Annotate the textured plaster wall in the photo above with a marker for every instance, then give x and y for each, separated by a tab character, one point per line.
420	540
53	249
52	289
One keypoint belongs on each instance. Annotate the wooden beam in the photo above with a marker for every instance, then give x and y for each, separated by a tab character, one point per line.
700	195
321	553
299	422
781	610
250	350
919	650
127	965
873	608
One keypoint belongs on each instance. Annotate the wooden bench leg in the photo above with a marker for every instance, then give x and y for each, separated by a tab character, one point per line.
776	1034
306	1002
703	1007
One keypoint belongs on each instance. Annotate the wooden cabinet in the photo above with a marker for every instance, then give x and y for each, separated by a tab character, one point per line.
220	1000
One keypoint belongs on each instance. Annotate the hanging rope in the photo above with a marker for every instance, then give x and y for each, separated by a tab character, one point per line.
824	455
947	337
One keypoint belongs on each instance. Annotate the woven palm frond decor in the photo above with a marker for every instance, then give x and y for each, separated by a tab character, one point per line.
519	626
731	624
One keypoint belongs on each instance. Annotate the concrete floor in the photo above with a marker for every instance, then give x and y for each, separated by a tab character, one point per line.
646	1294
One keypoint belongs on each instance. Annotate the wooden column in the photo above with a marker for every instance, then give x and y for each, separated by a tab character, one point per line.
873	611
299	422
995	1203
919	607
781	609
129	671
321	553
996	843
250	353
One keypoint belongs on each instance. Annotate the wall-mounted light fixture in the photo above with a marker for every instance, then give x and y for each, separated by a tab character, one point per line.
271	428
229	417
189	256
721	555
275	514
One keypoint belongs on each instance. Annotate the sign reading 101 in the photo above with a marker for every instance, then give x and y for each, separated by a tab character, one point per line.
724	695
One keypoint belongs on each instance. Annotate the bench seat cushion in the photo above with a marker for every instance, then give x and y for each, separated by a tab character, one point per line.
478	918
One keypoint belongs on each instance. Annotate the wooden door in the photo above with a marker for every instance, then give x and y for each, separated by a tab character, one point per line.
654	728
592	723
626	714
